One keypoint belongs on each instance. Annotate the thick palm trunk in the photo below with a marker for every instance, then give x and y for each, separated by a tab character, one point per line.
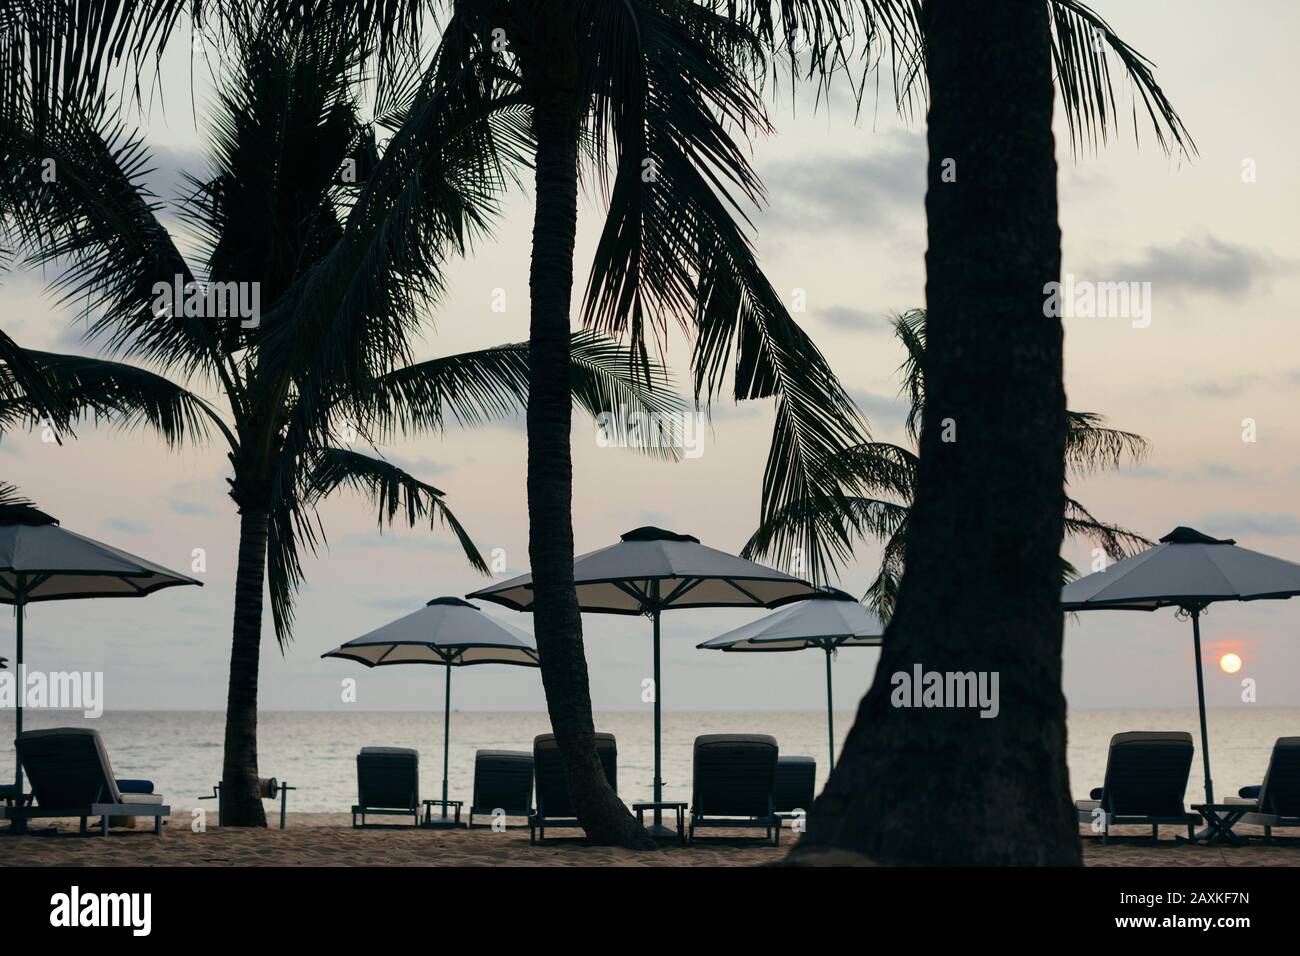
981	587
557	621
240	804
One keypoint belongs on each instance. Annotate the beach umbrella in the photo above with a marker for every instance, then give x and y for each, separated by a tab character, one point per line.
448	632
650	571
830	620
1187	570
40	561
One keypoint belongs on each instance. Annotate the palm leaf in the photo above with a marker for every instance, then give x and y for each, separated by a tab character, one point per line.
117	393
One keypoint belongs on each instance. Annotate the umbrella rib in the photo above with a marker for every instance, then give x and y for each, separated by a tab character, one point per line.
753	597
628	589
687	585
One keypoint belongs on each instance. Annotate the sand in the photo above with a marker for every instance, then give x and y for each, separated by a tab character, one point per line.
327	839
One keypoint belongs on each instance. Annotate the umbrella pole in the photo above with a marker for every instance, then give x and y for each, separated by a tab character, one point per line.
659	784
22	690
19	825
1200	699
830	708
446	741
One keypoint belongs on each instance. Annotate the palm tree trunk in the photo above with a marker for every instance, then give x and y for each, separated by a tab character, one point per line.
240	804
981	587
556	618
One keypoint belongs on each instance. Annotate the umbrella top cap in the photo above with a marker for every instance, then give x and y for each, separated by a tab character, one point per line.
1183	535
25	515
833	594
650	533
453	601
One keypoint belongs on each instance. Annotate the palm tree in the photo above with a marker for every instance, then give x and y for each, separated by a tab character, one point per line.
641	96
985	791
343	270
889	471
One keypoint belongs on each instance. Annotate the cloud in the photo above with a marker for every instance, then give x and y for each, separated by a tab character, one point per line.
167	168
125	525
863	193
855	320
1237	523
879	408
191	508
1198	265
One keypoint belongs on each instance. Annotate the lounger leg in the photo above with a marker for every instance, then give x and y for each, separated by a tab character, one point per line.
83	826
1155	831
1105	832
103	824
1191	833
157	825
1268	834
777	830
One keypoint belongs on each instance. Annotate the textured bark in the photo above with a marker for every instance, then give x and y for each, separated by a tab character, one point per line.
556	618
981	587
240	804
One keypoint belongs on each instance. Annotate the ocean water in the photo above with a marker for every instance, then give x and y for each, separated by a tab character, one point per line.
181	750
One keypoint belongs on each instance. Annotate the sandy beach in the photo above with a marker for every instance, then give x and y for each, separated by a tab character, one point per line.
327	839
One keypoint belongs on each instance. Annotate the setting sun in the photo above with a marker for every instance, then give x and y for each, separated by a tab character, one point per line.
1229	663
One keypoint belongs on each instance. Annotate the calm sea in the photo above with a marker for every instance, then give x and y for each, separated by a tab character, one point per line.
181	750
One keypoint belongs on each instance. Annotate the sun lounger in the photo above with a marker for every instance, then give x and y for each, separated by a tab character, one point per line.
71	776
1145	783
733	783
388	784
793	791
503	782
554	808
1275	802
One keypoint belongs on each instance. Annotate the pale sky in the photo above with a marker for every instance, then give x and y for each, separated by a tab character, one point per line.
846	225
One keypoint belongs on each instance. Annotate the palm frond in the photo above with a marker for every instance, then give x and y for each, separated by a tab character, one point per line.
1091	446
351	316
882	593
1082	43
96	224
1117	542
115	393
393	492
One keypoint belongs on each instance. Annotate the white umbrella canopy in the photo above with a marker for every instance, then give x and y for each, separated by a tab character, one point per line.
40	561
650	567
649	571
446	631
830	620
1187	570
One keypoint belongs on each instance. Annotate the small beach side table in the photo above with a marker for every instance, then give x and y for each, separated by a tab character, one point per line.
442	819
1220	818
640	808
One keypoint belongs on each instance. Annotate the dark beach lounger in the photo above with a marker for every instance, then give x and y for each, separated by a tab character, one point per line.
733	783
793	791
554	808
388	784
1145	784
1275	802
503	781
71	776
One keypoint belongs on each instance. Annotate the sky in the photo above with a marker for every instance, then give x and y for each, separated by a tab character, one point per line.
844	225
